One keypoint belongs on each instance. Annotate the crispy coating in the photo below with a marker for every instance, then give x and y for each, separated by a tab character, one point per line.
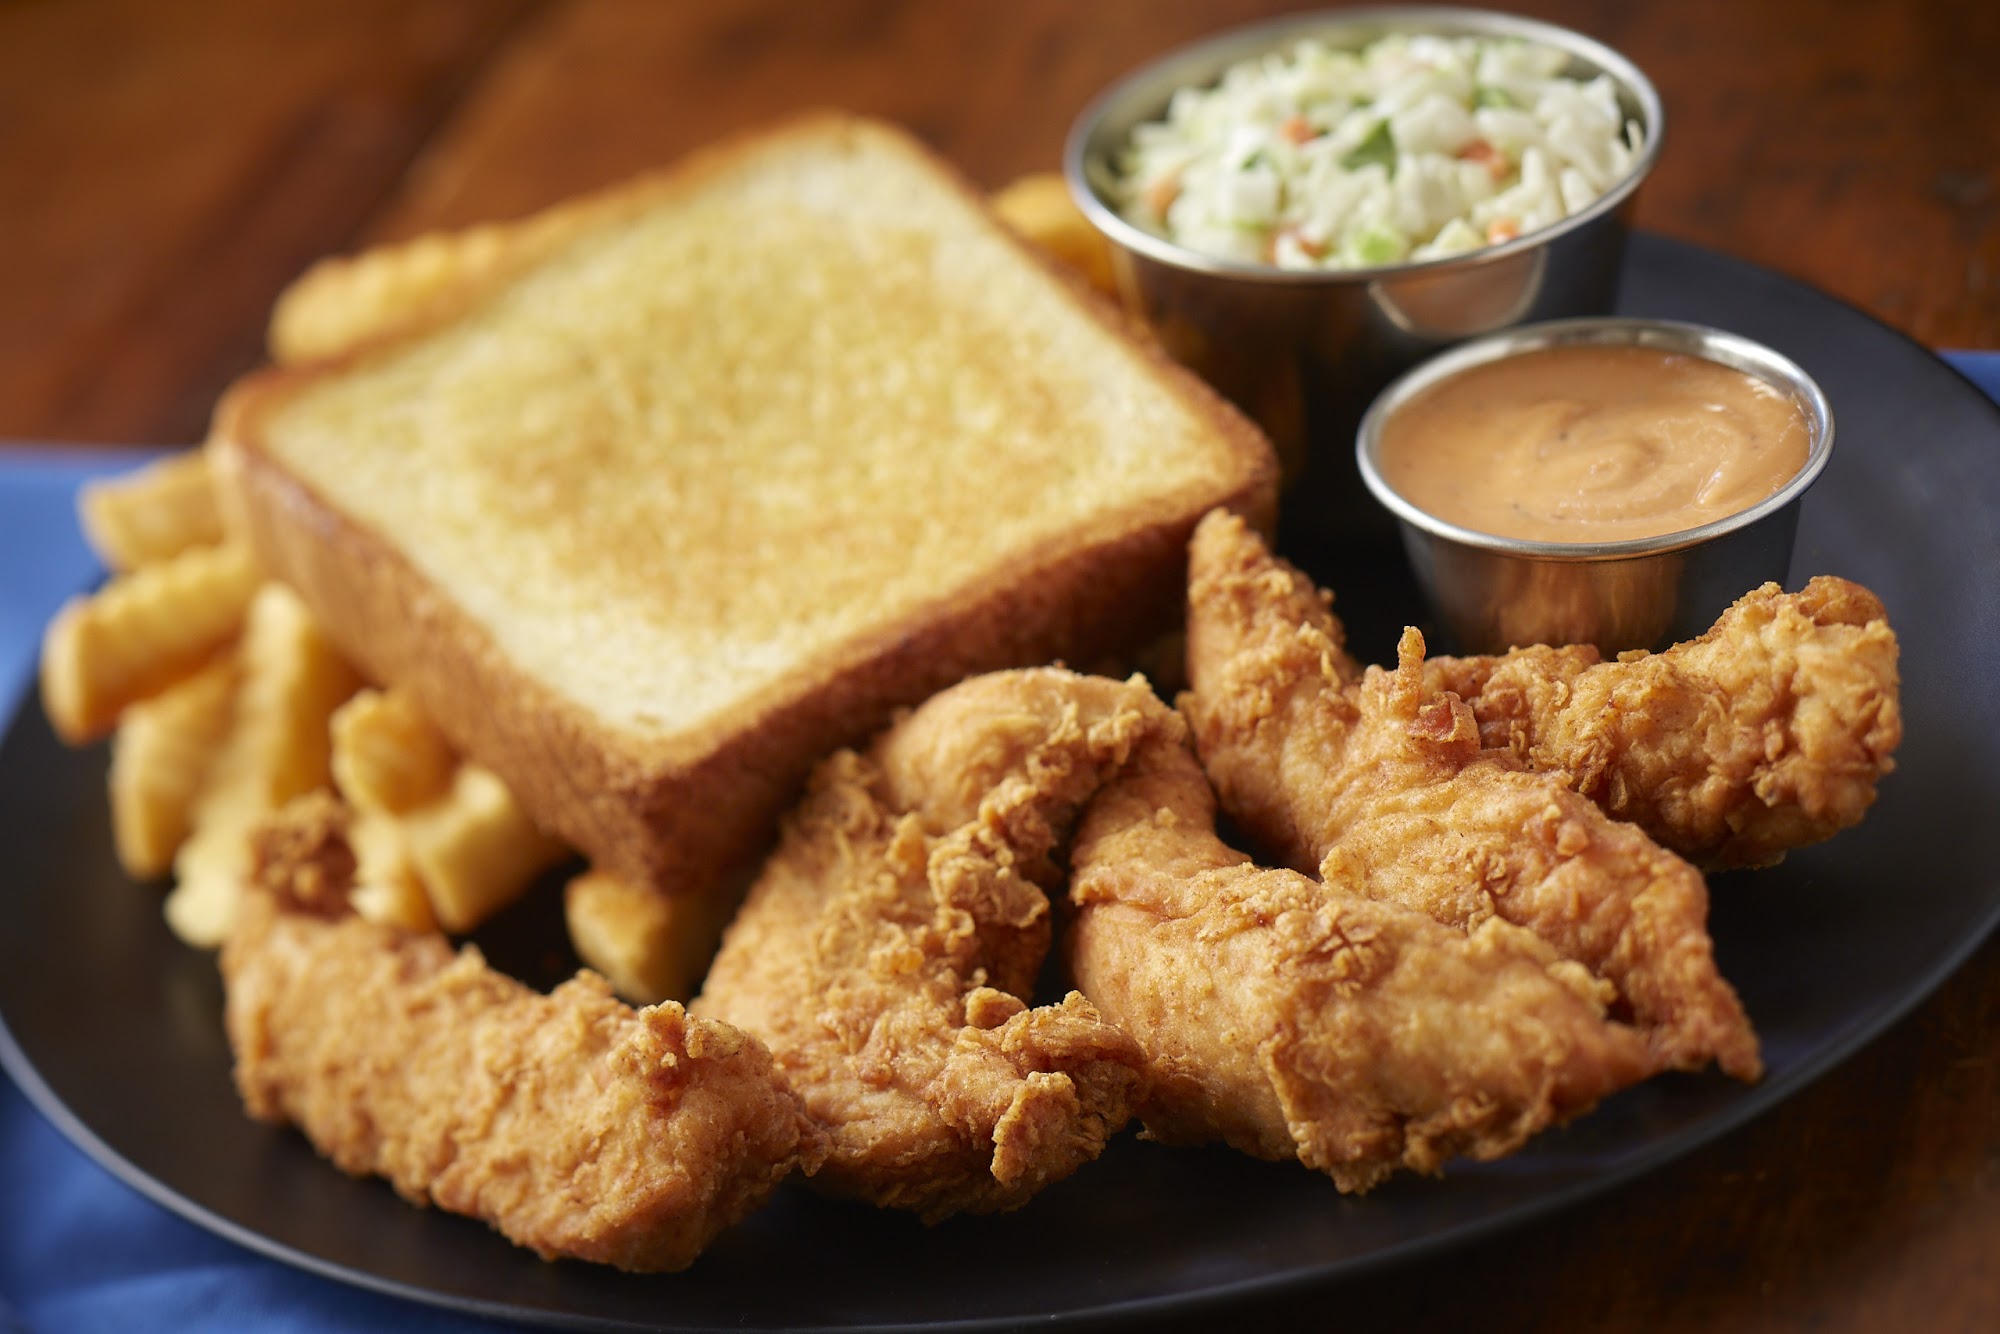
1380	786
1766	733
884	952
1291	1018
571	1123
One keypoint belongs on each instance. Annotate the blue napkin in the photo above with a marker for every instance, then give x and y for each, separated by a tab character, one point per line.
80	1250
1982	368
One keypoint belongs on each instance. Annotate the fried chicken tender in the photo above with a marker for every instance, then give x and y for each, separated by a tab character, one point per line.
1381	786
571	1123
884	951
1765	734
1291	1018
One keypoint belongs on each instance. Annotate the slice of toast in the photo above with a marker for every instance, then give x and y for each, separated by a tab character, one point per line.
745	456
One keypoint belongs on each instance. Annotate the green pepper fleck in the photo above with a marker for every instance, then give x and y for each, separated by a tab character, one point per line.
1379	146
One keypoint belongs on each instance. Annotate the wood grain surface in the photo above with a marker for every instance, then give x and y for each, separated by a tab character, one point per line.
165	169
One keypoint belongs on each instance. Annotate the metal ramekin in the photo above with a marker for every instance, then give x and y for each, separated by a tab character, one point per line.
1494	593
1303	353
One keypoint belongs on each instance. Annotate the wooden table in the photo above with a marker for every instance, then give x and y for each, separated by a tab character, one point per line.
164	169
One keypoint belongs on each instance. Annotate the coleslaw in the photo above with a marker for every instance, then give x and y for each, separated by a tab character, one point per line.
1414	147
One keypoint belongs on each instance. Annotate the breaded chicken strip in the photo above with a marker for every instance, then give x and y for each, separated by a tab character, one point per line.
1767	733
1381	787
884	952
573	1124
1293	1019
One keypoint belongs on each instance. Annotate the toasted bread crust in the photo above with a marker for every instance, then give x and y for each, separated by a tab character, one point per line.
682	823
682	812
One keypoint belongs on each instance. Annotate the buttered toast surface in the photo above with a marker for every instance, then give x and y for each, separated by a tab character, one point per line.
767	446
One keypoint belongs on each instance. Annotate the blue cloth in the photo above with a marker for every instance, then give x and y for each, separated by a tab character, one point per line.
80	1250
1982	368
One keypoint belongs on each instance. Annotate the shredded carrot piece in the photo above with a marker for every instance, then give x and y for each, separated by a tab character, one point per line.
1487	156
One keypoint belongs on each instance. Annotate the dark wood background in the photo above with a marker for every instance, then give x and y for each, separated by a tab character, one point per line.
166	168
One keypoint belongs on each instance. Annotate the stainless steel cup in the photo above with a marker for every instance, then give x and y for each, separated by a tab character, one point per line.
1494	593
1304	353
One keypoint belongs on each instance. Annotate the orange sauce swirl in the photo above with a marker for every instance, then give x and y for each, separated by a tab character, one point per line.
1593	444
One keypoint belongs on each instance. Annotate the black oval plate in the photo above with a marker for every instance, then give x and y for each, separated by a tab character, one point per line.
113	1028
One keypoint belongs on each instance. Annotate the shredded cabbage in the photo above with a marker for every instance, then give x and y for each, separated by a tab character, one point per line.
1414	147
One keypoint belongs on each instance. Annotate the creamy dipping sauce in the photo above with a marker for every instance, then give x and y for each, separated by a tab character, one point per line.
1593	444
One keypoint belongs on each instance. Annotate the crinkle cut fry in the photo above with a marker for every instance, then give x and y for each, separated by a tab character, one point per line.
1381	786
1290	1018
571	1123
883	952
1765	734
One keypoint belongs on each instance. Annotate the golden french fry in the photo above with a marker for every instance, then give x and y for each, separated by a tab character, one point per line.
440	843
277	748
344	301
387	757
152	513
650	946
159	756
141	633
386	886
474	849
1040	209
